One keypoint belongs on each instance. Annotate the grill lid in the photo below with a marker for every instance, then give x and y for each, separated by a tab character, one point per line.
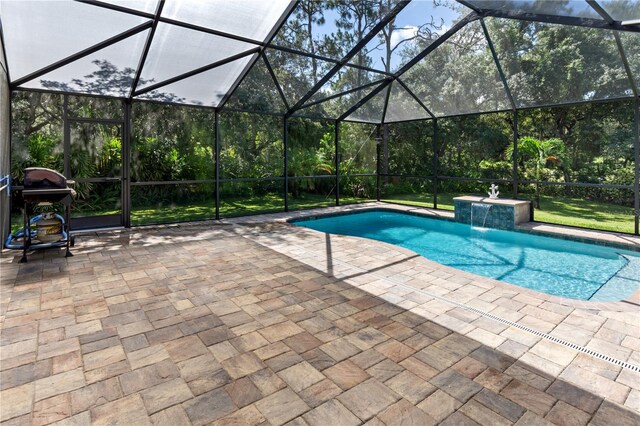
43	178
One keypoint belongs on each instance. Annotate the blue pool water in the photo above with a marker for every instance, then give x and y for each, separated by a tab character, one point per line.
551	265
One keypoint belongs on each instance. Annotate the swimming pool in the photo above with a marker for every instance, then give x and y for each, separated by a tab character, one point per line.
550	265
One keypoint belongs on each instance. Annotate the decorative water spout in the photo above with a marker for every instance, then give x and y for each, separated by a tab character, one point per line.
493	195
483	211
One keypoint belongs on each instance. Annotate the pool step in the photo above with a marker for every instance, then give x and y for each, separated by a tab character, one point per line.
626	282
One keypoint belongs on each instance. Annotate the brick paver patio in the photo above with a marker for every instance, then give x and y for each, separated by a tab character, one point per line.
203	325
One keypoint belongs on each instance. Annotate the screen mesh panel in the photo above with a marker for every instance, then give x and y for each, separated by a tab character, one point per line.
176	50
39	33
206	89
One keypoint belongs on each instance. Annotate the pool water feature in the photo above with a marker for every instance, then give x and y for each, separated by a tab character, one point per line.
551	265
482	210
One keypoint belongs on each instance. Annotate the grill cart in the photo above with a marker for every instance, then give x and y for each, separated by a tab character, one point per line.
44	187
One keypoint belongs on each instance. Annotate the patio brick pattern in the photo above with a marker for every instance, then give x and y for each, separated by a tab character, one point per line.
203	325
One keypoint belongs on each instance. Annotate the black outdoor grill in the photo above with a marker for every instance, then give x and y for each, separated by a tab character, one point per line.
39	178
43	185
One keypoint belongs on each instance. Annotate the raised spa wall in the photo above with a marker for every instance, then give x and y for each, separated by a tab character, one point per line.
503	213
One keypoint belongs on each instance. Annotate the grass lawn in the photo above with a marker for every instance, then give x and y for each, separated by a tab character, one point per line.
585	213
557	210
230	207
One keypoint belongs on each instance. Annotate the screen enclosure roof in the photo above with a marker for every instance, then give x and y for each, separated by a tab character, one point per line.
372	61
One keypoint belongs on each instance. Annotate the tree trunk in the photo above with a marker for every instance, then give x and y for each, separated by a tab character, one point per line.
385	152
359	57
538	176
387	66
312	47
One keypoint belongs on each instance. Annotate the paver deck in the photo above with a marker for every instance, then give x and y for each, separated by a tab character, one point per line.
233	324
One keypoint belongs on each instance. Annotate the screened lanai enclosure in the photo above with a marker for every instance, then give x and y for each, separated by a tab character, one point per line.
181	110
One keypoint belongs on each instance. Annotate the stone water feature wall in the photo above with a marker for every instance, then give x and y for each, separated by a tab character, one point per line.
502	213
